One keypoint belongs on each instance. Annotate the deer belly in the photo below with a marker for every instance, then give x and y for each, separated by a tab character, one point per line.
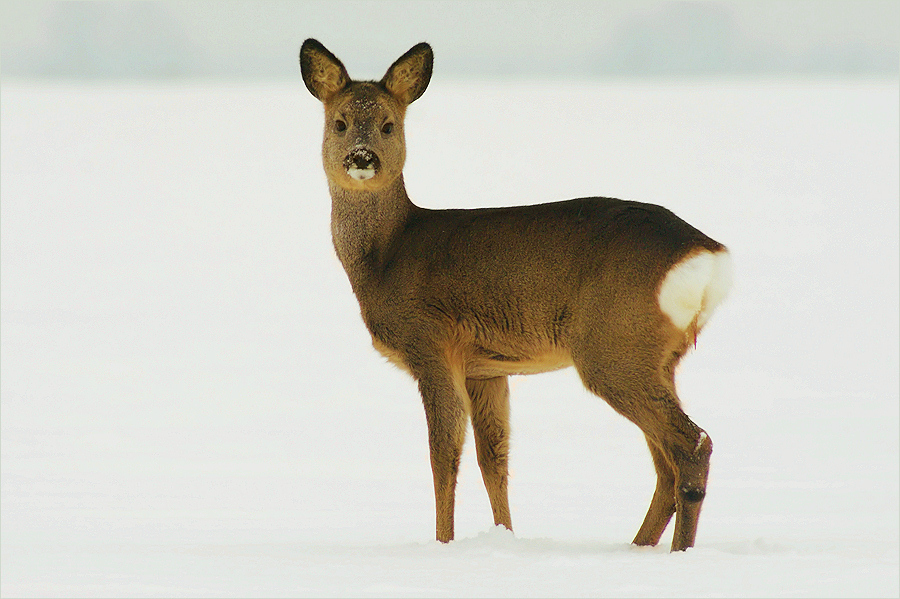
483	364
489	365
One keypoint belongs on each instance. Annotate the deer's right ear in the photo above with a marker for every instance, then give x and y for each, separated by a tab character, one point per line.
408	77
323	74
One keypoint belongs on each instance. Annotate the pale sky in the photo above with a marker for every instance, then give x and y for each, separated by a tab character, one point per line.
482	39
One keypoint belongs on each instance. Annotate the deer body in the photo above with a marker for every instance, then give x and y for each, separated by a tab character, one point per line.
461	299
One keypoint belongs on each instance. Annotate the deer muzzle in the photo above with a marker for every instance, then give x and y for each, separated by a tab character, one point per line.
361	164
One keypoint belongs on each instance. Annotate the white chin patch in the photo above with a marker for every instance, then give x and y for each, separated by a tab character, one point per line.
361	174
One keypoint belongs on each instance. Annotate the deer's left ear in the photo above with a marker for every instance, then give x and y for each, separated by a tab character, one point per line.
408	77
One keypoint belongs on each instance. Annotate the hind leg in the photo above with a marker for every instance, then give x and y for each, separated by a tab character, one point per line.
680	449
681	452
690	490
662	506
490	424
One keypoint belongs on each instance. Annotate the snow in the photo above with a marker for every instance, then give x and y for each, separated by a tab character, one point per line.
703	437
191	405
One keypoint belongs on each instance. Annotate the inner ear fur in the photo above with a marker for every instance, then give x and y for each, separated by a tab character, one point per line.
323	74
408	77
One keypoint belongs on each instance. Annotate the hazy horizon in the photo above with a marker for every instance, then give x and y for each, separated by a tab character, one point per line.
241	39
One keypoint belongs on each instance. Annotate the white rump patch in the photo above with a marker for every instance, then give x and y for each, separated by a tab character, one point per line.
694	287
361	174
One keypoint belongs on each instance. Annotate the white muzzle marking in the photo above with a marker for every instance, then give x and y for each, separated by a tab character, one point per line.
361	174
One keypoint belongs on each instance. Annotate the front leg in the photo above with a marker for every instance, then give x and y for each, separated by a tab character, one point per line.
490	423
445	411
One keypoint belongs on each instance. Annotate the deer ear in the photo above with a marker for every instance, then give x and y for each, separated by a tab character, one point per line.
408	77
323	74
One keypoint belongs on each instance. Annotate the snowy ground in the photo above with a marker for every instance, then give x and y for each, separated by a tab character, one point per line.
191	406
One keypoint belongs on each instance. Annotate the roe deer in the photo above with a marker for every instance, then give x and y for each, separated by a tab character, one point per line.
461	299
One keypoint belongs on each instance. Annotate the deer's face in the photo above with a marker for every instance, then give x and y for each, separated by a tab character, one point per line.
364	146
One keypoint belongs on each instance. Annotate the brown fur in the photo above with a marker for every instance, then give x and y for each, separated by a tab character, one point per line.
461	299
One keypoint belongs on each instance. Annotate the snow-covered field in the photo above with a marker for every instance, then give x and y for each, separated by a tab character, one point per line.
191	405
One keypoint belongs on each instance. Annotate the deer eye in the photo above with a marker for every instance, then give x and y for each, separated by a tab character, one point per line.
387	128
340	126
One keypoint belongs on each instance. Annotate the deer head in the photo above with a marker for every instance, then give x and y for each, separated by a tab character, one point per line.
364	147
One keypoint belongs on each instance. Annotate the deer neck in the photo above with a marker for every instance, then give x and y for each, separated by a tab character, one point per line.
364	225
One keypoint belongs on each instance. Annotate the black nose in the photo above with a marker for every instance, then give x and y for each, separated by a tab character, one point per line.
361	159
